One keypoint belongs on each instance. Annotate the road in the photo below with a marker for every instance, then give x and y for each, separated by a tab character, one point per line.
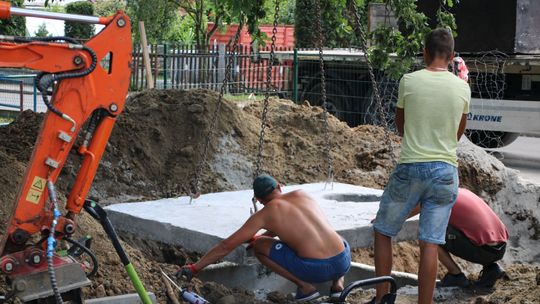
523	155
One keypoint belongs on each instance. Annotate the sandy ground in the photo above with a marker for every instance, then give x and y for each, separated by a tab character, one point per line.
157	142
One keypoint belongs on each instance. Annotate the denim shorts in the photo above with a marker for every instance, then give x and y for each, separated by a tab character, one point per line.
432	184
312	270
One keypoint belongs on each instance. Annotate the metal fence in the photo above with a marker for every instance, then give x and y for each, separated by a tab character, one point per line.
19	92
188	67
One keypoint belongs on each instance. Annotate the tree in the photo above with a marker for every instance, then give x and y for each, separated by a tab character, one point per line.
157	15
406	41
42	31
181	30
14	26
55	8
336	28
201	12
304	34
76	29
108	7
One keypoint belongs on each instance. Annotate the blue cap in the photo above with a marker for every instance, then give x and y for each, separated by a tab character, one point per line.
264	185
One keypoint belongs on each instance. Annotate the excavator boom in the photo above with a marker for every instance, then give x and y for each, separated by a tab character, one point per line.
91	82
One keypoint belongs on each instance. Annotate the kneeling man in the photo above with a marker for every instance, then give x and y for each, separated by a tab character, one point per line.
308	250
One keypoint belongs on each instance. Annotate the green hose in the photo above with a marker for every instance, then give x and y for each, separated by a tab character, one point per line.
137	284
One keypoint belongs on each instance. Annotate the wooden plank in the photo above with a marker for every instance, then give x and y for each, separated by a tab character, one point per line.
146	57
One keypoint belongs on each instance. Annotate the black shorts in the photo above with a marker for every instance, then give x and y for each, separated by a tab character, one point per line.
459	245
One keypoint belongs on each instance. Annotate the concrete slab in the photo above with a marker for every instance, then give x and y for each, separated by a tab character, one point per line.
213	217
131	298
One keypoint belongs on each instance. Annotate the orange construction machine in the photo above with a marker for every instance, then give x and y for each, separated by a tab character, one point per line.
82	84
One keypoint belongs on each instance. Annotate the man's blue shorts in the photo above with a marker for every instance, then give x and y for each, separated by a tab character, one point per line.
432	184
311	270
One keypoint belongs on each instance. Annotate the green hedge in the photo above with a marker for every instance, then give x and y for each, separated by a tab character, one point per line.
15	26
76	29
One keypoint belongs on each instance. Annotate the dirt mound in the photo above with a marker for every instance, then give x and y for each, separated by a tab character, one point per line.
520	286
406	257
158	141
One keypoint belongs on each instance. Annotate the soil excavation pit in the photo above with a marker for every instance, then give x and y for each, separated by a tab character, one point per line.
212	217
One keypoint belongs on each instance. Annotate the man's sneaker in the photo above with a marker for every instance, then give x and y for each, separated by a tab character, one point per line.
489	275
454	280
334	296
302	298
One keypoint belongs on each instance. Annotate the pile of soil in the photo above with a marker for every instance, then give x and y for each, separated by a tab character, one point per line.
519	286
159	139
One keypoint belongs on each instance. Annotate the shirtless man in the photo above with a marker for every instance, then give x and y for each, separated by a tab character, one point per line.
308	250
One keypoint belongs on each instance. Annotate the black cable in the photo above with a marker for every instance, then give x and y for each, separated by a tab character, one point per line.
87	251
44	80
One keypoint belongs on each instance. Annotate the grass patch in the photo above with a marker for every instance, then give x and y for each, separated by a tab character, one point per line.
6	120
244	97
7	116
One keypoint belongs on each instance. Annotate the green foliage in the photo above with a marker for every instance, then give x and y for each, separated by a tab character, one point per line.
55	8
181	30
286	12
76	29
249	13
200	12
157	16
407	41
303	31
42	31
336	28
14	26
108	7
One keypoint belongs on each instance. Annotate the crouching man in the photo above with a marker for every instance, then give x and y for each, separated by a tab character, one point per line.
308	250
476	234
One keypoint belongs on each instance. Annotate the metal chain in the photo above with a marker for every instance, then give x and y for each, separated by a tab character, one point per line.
258	163
361	34
194	191
326	130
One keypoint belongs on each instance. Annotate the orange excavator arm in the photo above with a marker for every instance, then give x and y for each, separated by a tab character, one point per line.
91	83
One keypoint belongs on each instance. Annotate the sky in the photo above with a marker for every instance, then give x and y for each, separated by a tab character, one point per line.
54	27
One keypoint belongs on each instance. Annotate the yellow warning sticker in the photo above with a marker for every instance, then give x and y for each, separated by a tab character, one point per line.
33	196
38	184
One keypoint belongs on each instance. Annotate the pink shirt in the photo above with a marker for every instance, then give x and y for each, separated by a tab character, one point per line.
475	219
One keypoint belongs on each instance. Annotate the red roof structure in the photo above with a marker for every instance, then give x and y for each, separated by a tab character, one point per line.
284	35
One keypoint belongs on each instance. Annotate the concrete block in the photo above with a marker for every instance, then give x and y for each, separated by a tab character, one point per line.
213	217
131	298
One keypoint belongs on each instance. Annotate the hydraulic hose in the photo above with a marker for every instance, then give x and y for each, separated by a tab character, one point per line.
101	215
44	80
87	251
51	243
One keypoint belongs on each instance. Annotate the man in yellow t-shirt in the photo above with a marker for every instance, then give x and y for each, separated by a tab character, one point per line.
431	117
